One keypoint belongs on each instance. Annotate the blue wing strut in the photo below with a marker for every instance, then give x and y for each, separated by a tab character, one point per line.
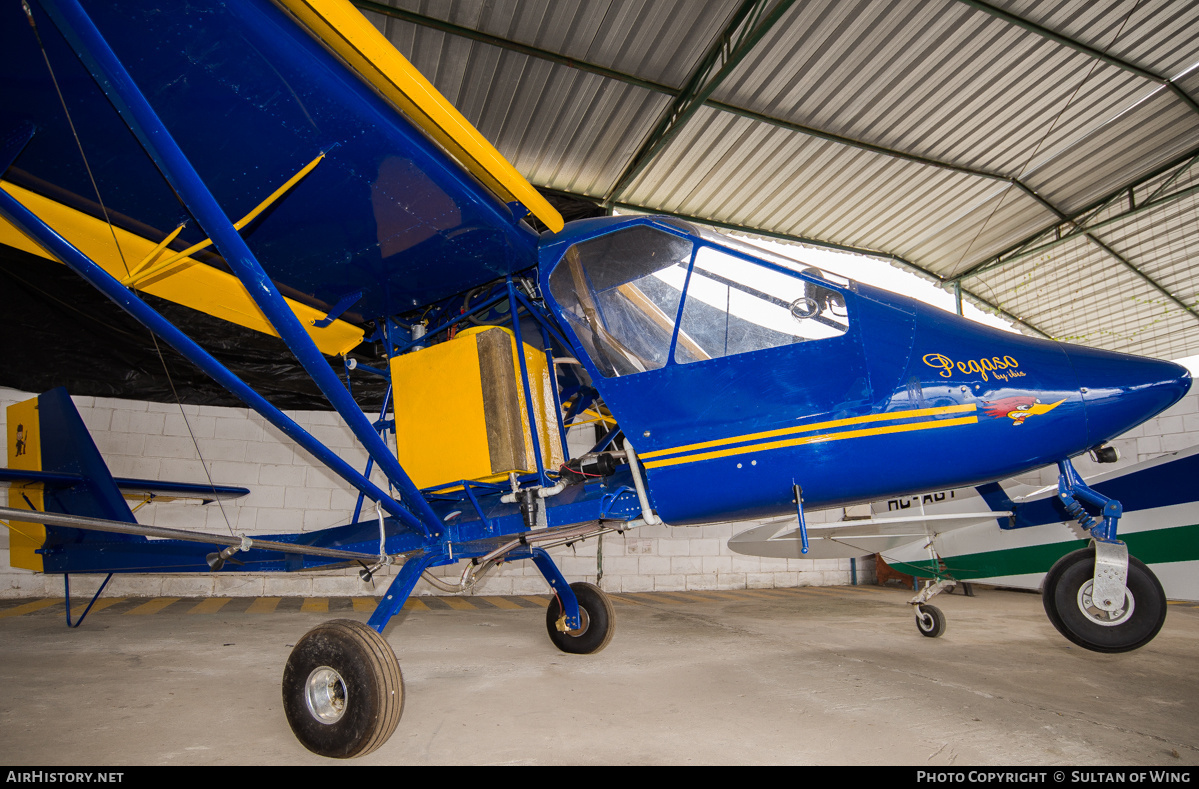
91	48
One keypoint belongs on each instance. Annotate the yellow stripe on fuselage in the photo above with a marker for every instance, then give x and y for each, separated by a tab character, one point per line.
889	416
689	453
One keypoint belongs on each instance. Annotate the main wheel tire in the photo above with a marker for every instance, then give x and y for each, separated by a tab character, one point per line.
1067	599
930	621
343	693
598	621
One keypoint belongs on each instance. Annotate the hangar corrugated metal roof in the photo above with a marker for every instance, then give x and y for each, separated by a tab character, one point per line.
952	136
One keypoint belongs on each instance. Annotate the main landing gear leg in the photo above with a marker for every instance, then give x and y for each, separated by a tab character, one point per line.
1100	597
343	693
580	619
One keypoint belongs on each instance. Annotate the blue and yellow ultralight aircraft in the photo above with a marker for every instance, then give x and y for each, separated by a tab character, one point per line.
349	203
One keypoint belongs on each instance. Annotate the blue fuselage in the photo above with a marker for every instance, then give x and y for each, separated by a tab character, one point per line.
906	398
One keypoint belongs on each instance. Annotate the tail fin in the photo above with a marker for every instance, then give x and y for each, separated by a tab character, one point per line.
46	434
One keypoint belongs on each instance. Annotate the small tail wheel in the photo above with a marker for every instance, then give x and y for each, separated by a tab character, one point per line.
1134	623
597	625
930	621
342	690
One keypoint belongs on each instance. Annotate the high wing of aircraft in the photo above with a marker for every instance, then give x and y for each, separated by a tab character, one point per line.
281	167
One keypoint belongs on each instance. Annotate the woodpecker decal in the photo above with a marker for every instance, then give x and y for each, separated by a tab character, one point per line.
1019	408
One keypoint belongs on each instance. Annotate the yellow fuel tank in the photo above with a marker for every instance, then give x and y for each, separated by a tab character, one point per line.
460	409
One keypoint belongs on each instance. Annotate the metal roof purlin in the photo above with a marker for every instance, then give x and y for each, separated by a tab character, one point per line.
1019	249
1147	205
504	43
1064	40
1088	233
629	79
747	27
1090	236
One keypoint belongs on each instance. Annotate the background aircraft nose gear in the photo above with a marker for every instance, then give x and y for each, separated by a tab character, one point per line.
929	619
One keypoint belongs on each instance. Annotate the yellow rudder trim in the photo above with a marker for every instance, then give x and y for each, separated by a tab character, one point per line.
25	454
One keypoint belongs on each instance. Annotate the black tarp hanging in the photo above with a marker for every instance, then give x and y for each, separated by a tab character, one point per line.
57	330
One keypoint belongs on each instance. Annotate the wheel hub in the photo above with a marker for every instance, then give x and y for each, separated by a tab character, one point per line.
1118	616
584	622
325	695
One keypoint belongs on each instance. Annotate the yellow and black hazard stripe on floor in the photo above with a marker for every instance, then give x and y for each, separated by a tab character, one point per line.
145	606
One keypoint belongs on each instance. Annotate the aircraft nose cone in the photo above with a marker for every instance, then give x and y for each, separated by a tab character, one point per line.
1120	391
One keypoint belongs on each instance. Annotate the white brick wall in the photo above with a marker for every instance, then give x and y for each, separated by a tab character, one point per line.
290	492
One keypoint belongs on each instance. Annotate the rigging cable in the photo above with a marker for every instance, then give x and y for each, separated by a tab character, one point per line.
121	254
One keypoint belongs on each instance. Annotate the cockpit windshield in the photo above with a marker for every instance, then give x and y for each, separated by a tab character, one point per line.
621	293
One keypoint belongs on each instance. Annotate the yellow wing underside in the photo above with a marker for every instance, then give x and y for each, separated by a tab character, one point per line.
190	283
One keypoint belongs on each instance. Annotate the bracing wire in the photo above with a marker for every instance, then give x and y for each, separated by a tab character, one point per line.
120	253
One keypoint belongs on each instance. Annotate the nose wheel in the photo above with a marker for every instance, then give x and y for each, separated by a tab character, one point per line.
1120	625
930	621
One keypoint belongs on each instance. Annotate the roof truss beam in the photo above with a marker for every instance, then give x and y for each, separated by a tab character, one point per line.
1085	226
1184	162
676	94
514	46
1086	49
1087	230
746	28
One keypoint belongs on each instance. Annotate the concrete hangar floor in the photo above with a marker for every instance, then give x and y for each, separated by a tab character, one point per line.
831	675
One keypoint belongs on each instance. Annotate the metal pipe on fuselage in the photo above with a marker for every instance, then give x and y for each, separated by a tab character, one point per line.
646	512
524	379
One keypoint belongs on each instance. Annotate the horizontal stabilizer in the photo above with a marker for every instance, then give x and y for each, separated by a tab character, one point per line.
846	539
142	488
130	488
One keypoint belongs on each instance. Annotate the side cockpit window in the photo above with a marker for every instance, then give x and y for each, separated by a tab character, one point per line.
620	293
735	306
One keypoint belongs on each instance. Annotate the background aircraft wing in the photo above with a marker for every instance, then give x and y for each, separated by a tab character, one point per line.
846	539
